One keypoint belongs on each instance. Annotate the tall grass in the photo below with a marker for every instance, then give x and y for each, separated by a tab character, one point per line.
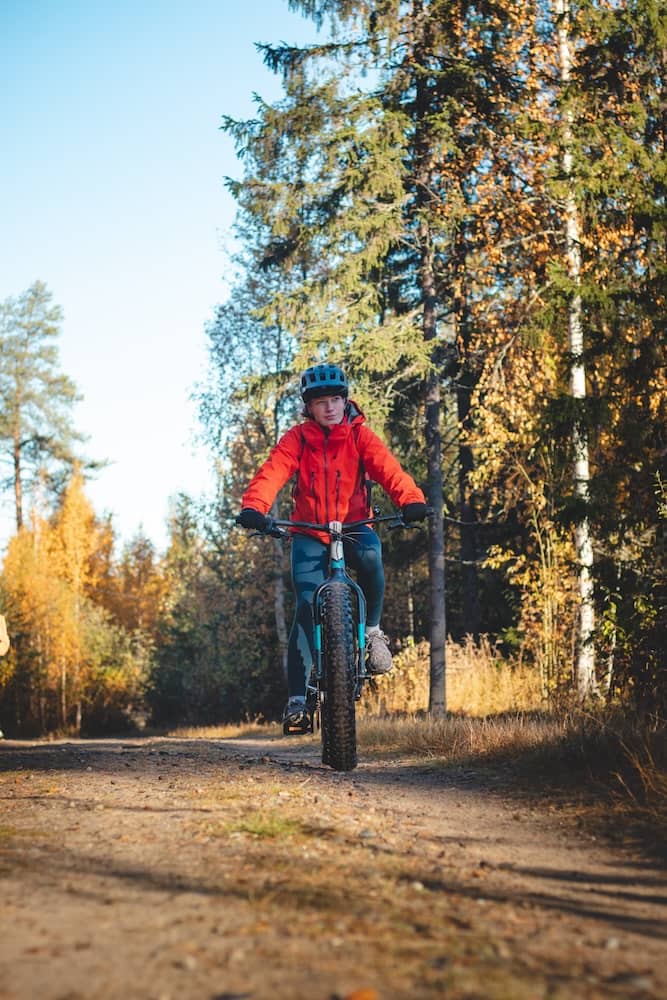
458	740
479	683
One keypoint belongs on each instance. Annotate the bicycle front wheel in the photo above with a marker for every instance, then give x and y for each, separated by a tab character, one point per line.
339	736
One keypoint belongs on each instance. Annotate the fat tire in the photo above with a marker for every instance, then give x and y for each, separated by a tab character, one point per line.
339	736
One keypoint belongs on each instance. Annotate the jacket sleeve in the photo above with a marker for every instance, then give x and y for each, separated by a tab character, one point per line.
282	463
385	469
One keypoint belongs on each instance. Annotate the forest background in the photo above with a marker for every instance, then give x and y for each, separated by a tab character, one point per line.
463	205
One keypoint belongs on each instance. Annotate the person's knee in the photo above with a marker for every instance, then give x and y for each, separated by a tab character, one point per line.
370	562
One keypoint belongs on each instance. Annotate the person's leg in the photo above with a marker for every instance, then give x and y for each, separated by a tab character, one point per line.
309	562
363	552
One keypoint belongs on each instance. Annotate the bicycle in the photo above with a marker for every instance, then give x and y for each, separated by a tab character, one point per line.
339	630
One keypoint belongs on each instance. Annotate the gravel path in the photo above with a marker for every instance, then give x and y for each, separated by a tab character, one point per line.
221	869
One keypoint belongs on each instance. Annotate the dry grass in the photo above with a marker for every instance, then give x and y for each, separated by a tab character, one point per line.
455	740
226	731
479	683
642	779
496	718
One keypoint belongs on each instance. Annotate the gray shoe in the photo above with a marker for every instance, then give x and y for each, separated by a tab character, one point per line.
378	654
296	717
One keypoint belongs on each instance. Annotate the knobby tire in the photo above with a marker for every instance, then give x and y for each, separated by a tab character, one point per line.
339	736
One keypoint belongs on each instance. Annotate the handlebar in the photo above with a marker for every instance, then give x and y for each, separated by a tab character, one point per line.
277	527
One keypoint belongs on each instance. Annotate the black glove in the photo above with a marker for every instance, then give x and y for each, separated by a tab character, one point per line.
414	512
249	518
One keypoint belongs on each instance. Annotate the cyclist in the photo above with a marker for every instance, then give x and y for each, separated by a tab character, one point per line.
331	452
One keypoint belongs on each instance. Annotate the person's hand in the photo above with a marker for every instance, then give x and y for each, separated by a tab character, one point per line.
249	518
414	512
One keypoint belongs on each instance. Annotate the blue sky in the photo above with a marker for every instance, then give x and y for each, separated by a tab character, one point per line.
112	178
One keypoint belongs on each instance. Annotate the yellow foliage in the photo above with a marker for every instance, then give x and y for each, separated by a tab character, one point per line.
49	573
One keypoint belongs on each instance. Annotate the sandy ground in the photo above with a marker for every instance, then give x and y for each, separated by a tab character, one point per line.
222	869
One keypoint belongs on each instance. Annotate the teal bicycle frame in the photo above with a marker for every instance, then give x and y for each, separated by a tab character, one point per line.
338	574
336	530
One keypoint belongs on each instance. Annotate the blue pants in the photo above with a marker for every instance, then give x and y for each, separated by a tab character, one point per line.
310	566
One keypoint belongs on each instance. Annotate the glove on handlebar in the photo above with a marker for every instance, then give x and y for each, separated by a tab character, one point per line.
414	512
249	518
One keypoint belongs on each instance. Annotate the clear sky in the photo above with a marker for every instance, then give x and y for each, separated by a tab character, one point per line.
112	178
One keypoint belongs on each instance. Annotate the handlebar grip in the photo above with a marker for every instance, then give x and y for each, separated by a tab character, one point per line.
273	530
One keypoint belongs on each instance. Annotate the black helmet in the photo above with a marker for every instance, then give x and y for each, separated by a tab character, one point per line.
323	380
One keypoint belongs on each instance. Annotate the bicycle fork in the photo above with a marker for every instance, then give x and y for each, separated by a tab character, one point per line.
338	575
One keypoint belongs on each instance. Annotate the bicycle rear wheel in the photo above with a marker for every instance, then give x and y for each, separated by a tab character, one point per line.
339	736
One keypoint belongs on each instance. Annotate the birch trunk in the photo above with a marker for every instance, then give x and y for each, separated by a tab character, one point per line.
585	657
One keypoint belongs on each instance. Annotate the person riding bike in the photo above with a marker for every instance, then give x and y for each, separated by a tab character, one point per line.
332	453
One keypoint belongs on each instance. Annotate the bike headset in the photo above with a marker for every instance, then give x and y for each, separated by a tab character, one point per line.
323	380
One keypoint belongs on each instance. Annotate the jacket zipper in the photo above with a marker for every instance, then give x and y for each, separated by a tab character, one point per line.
326	482
313	493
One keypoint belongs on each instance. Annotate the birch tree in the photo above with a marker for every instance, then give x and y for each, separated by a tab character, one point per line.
585	661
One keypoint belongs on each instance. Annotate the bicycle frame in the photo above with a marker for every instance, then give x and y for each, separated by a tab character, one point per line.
337	574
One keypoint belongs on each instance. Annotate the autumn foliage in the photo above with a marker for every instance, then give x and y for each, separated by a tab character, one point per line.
79	651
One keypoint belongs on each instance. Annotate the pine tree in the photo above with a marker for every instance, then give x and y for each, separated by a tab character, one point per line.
36	433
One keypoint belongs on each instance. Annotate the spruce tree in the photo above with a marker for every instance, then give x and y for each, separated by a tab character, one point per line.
358	174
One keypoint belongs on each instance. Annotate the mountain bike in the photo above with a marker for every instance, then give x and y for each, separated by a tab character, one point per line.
339	630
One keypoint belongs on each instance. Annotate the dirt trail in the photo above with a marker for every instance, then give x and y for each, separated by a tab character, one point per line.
163	868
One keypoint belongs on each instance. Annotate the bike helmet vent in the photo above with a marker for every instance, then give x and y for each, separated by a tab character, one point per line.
323	380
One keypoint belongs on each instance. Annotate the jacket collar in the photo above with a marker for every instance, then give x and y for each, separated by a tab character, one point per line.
315	432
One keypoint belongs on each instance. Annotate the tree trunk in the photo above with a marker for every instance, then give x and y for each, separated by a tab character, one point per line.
279	596
18	488
412	632
585	662
468	518
63	694
465	383
436	550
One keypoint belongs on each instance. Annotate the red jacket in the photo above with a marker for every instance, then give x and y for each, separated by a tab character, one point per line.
332	468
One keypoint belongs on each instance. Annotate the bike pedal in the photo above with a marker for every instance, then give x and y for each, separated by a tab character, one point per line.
298	728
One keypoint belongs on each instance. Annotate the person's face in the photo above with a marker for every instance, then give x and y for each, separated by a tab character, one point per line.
327	410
